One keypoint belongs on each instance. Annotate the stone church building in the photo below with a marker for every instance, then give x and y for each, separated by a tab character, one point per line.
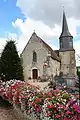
41	61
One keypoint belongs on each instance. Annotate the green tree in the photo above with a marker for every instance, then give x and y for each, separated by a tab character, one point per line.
10	62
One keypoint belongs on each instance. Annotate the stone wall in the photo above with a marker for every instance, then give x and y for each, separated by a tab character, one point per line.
36	45
55	67
68	62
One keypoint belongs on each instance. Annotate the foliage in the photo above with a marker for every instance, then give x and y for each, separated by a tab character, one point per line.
10	63
78	72
46	105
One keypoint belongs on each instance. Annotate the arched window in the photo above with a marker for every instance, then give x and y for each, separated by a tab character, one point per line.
34	57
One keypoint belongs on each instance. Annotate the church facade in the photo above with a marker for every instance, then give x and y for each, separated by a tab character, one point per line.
41	61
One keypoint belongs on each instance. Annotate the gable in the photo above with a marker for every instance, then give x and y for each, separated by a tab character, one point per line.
36	38
32	39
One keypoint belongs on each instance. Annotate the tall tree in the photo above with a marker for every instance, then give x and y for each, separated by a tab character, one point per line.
10	62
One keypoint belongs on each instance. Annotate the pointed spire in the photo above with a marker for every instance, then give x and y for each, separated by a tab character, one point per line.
65	30
64	26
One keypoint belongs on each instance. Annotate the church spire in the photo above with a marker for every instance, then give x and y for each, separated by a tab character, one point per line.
65	30
66	39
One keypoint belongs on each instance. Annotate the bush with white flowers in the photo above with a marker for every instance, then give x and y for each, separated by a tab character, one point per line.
45	105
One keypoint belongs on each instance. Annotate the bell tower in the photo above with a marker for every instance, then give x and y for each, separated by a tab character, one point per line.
67	52
65	39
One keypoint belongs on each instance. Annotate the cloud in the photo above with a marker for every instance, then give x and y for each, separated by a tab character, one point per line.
2	44
44	31
9	36
23	39
5	0
29	25
45	18
77	52
49	11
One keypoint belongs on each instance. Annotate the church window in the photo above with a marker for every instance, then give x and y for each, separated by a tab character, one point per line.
34	57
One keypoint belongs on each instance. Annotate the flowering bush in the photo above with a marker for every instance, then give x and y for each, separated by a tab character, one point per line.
46	105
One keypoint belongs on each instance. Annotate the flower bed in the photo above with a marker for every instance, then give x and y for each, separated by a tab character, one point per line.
45	105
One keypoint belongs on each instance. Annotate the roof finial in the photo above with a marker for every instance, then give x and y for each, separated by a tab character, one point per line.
63	7
34	30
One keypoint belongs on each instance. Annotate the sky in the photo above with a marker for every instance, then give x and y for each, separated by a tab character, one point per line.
19	18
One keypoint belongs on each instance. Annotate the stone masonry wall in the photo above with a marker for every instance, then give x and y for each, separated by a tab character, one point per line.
34	44
68	62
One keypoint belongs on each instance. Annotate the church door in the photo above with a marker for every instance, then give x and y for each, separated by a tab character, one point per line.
35	73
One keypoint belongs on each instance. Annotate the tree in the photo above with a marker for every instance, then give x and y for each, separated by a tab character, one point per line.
10	62
78	83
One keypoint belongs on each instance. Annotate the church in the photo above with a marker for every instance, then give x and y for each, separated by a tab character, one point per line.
39	60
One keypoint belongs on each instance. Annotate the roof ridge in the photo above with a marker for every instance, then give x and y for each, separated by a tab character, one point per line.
53	53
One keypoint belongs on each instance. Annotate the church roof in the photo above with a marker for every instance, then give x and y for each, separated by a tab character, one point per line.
53	53
65	30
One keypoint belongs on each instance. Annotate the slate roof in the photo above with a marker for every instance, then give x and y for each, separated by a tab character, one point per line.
65	30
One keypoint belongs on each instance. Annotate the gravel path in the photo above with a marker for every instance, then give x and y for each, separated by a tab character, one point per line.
7	112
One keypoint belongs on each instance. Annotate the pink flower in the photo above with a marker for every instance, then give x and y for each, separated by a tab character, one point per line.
78	109
58	116
66	119
38	109
68	112
48	114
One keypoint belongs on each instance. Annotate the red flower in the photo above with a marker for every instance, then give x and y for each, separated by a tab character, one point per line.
49	99
50	106
50	94
66	119
68	112
33	104
37	100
